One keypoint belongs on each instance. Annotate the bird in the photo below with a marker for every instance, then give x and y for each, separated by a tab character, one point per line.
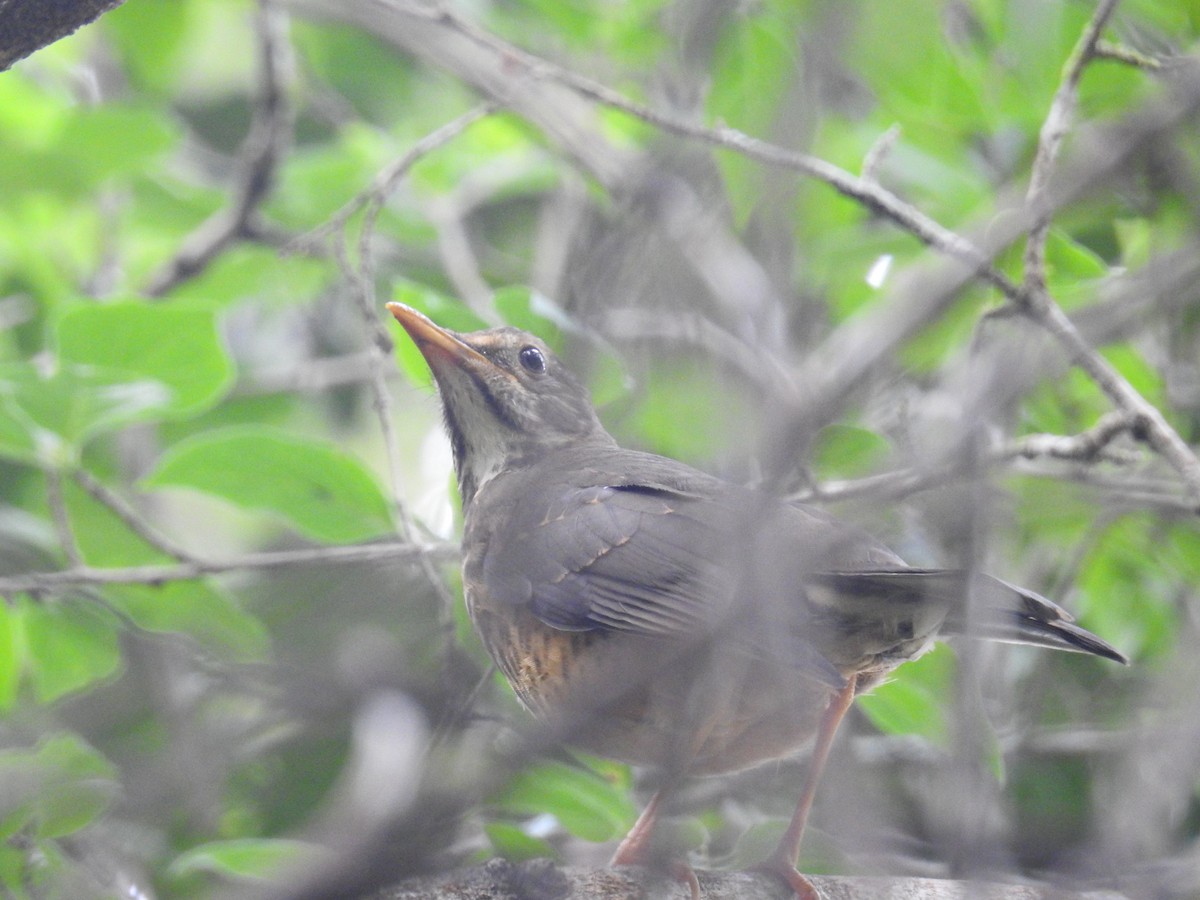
655	614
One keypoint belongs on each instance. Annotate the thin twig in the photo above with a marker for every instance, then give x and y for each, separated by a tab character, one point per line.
1127	55
1050	138
385	181
85	576
1143	418
1105	154
260	156
863	190
127	514
1087	446
62	521
379	344
878	152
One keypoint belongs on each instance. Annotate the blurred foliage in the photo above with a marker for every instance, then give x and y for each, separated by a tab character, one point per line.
177	735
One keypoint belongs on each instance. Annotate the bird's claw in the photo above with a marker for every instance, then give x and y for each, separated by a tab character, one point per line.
780	868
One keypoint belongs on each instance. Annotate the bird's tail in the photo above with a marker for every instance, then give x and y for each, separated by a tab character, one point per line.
998	611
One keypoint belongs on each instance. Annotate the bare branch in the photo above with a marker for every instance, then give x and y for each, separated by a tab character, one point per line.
260	156
386	180
1127	55
1086	446
58	513
859	345
1054	129
87	576
129	516
879	151
378	360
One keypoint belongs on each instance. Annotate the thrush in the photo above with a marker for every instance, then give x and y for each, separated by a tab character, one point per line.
655	614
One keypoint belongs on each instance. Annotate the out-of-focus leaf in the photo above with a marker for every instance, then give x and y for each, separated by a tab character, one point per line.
112	140
512	842
176	345
80	785
149	38
199	609
70	645
844	451
252	860
45	417
585	804
320	490
56	788
11	655
914	701
1123	598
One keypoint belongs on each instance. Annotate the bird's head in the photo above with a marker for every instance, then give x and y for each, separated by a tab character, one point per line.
507	399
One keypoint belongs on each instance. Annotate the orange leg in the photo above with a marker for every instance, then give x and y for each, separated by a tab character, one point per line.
783	861
634	849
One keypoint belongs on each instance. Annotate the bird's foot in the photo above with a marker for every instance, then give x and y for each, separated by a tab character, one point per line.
782	868
676	868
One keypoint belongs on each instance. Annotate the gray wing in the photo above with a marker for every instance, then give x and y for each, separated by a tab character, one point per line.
619	558
650	561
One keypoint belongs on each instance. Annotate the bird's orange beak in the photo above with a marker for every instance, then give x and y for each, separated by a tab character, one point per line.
437	344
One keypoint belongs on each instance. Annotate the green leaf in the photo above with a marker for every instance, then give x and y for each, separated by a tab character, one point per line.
55	789
71	644
198	609
110	140
178	346
914	702
80	785
11	655
250	859
320	490
585	804
512	842
45	418
844	451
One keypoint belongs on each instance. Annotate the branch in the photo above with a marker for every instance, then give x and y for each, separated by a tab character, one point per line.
386	180
1127	55
87	576
260	155
28	25
1050	138
1087	446
852	351
379	341
62	521
127	514
540	878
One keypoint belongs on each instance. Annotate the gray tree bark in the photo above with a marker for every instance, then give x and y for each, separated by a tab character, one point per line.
29	25
542	880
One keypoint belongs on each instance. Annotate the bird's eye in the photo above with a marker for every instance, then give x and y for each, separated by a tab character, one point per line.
532	360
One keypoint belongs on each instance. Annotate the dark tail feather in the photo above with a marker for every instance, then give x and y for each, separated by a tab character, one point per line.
1005	612
1001	611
